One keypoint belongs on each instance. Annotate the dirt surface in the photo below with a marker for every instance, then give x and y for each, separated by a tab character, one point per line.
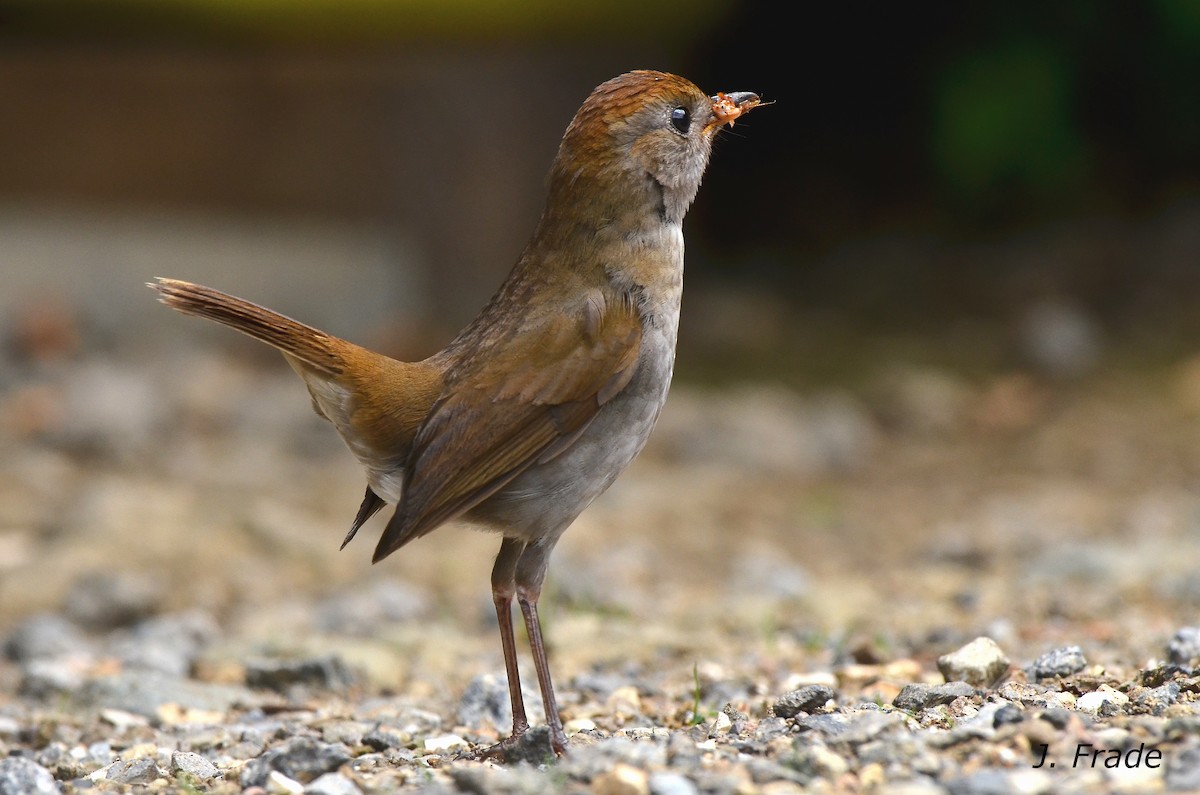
176	514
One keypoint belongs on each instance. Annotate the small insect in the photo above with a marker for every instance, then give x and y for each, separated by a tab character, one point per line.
729	107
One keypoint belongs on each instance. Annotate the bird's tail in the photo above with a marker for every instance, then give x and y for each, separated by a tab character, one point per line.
313	347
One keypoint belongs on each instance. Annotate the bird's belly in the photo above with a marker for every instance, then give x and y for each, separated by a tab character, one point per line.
543	500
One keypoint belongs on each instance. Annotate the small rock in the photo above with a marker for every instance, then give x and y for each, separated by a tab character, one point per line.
980	663
325	673
194	765
806	699
279	784
43	678
819	761
444	742
133	771
42	637
577	725
1155	700
1184	647
1183	770
107	600
21	776
301	758
1007	714
486	701
332	784
852	727
985	782
1058	662
144	693
380	739
1097	700
664	783
916	696
622	780
169	643
122	720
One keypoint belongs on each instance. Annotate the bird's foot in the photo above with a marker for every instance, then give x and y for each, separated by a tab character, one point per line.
528	745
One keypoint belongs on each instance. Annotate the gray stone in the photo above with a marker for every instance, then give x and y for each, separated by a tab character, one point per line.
134	771
809	698
916	696
107	600
485	701
21	776
332	784
325	673
1184	647
143	692
194	765
43	636
980	663
301	758
1058	662
381	738
1155	699
168	644
985	782
44	678
1007	714
1183	770
664	783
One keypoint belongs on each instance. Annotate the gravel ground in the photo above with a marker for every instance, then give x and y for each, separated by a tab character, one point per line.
931	584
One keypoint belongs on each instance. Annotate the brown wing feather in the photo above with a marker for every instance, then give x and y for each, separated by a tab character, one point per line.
547	396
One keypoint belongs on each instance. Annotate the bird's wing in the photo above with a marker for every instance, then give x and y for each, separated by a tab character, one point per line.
533	400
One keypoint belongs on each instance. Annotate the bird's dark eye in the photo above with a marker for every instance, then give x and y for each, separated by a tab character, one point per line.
681	120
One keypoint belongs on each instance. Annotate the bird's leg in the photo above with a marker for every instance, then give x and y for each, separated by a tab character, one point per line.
503	589
531	571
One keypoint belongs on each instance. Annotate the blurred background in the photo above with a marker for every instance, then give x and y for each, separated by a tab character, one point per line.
940	323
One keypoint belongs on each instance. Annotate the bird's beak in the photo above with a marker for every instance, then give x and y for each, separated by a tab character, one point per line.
729	107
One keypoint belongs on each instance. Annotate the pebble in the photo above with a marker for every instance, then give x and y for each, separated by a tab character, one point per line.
1184	647
332	784
805	699
1058	662
662	783
444	742
485	702
194	765
622	780
168	644
980	663
43	636
106	600
302	759
21	776
1103	698
145	693
917	696
325	673
133	771
1183	770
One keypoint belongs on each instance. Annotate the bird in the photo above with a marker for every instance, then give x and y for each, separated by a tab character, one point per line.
535	408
